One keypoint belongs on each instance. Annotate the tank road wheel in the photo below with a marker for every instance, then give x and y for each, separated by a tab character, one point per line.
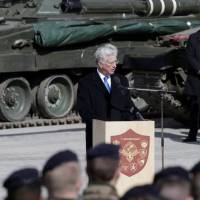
55	97
16	99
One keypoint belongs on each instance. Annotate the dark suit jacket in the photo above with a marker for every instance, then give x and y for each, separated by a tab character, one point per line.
95	102
193	57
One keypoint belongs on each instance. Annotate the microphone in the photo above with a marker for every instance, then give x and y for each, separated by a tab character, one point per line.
118	82
119	85
137	113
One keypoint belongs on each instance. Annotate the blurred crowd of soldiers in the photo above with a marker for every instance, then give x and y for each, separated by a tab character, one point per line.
61	176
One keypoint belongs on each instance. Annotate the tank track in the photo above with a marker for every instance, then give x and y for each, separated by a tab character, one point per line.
36	122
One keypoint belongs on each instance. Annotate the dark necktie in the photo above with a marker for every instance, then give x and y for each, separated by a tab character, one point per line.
105	80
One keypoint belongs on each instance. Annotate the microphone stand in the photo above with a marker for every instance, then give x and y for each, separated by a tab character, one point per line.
162	92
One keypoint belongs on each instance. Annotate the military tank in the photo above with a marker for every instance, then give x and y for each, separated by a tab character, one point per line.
47	46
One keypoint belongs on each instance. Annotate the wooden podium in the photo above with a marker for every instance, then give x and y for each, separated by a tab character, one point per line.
136	140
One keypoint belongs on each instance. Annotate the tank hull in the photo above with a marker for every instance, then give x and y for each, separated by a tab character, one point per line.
41	66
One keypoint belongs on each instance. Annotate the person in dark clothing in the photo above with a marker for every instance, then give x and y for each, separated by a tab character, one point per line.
193	84
101	94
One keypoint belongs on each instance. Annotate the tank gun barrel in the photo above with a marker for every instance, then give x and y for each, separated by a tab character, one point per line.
138	7
168	7
99	6
84	7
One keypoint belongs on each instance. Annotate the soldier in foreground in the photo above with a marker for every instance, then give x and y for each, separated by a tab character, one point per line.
195	171
23	184
103	172
143	192
173	183
61	176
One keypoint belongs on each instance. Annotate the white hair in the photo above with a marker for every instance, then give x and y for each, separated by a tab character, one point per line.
106	50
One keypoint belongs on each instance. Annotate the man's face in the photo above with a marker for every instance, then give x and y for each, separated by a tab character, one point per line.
108	65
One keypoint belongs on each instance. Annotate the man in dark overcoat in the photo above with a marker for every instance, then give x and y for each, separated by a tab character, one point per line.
193	84
102	99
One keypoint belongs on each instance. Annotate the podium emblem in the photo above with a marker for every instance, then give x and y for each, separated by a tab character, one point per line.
134	151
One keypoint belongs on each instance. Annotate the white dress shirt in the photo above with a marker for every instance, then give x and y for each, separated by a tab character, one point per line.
102	78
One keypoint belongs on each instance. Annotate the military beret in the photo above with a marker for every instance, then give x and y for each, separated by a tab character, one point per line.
196	168
58	159
172	173
141	191
104	150
21	178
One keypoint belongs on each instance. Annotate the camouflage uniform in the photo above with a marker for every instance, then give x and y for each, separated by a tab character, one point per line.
100	191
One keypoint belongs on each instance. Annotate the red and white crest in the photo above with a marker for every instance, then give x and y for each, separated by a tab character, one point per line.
134	151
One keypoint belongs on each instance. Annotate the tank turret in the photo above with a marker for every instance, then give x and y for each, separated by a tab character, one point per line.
47	46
